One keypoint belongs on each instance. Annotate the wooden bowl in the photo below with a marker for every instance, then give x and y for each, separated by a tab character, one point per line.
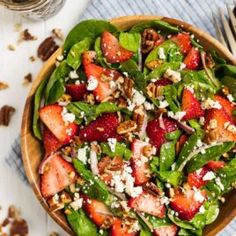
31	147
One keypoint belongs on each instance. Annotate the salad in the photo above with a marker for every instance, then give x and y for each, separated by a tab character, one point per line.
138	130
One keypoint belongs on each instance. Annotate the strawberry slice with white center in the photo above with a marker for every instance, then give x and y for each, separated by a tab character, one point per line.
196	178
166	230
187	203
149	204
56	175
119	228
139	163
51	116
112	50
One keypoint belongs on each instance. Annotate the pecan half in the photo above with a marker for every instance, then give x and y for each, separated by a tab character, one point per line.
128	87
58	33
149	37
210	63
3	85
27	36
126	127
27	79
154	91
5	114
19	227
139	117
47	48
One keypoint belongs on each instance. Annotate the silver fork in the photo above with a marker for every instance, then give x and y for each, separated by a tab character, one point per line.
227	35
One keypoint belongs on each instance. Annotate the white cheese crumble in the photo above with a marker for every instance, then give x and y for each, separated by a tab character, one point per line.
208	176
230	97
213	124
92	83
218	182
77	82
202	120
209	104
60	58
172	75
138	98
77	204
66	116
198	196
163	104
202	209
73	75
177	116
148	106
112	84
112	143
182	66
161	53
94	162
82	154
190	88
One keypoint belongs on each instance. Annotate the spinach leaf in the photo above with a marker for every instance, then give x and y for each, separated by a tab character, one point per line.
55	86
80	223
37	100
139	80
230	83
130	41
154	164
167	155
225	70
174	135
94	187
158	72
129	65
145	232
120	150
87	29
196	44
171	95
186	152
217	58
74	56
172	177
210	154
156	24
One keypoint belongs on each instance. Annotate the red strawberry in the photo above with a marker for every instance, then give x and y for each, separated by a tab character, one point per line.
50	142
183	40
101	129
215	165
195	179
118	228
149	204
193	59
226	104
166	230
112	50
218	126
140	167
187	202
156	130
97	211
191	105
106	165
76	91
51	116
57	174
160	39
103	89
163	82
88	57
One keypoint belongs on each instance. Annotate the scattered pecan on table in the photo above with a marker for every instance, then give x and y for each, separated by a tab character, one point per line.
25	35
27	79
3	85
5	114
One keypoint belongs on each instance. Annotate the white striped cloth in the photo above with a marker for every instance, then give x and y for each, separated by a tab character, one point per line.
196	12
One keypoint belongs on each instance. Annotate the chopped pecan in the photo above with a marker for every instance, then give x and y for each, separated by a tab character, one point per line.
153	189
65	98
147	150
154	64
96	147
65	197
129	137
32	58
225	90
90	98
47	48
19	227
27	79
55	204
58	33
128	87
126	127
11	47
27	36
122	102
3	85
5	222
210	63
139	117
149	37
5	114
154	91
107	223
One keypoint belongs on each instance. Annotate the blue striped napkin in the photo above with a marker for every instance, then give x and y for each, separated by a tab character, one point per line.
198	13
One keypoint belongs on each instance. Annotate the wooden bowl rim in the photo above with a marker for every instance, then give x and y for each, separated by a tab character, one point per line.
119	21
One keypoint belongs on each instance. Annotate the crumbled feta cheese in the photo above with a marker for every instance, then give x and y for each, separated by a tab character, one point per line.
161	53
125	74
198	172
77	82
165	200
230	127
92	83
208	176
134	227
177	116
66	116
112	84
230	97
148	106
163	104
77	204
60	58
202	120
73	75
63	103
172	75
199	143
131	105
213	124
138	98
182	66
219	183
82	154
198	196
112	143
168	185
94	162
190	88
202	209
209	104
154	80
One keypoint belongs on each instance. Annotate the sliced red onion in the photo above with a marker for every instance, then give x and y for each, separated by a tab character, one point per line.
121	196
94	162
106	213
142	132
67	158
161	122
140	59
185	127
43	163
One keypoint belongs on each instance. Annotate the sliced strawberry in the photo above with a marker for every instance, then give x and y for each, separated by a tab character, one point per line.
106	165
215	165
51	116
156	130
191	105
226	104
149	204
103	89
163	82
119	228
112	50
101	129
183	40
195	179
88	57
56	175
76	91
50	142
166	230
187	202
139	163
97	211
193	59
218	126
160	39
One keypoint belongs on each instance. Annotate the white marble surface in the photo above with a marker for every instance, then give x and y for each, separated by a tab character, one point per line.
13	67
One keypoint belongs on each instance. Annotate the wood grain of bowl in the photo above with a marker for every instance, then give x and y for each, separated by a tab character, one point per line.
31	147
